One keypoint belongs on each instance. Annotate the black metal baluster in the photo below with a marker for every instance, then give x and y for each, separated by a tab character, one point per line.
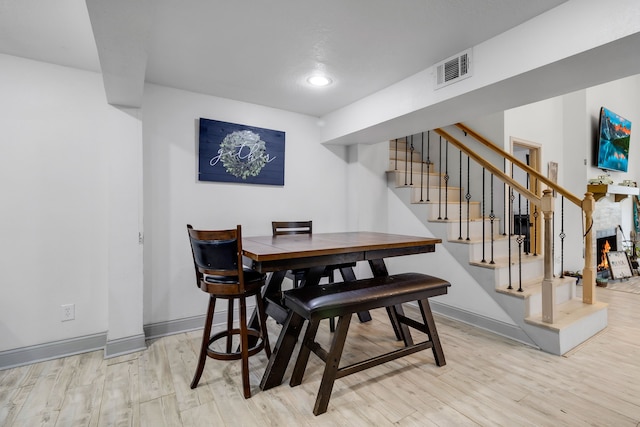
535	223
504	199
421	164
510	219
468	195
440	181
492	217
482	217
553	244
406	160
519	213
396	156
428	163
535	230
520	239
460	197
411	163
527	248
562	236
446	180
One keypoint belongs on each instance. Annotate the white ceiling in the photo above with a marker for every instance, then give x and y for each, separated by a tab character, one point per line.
255	51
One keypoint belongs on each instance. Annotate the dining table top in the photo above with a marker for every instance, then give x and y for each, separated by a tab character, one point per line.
267	252
261	248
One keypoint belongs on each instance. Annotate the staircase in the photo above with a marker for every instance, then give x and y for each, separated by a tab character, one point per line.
513	279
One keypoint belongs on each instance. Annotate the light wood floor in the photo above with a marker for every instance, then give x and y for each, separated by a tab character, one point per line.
488	381
631	284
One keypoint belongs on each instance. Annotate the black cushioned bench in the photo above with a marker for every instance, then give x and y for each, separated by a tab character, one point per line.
341	300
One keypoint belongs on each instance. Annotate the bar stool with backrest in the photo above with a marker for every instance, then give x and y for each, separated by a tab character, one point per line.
217	258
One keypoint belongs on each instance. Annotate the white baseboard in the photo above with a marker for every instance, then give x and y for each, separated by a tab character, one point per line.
112	348
125	345
500	328
53	350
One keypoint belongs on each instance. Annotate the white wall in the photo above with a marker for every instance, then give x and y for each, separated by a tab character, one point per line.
367	186
315	188
125	226
566	127
57	234
71	181
541	124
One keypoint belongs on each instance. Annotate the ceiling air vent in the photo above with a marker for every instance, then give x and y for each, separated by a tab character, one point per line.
453	69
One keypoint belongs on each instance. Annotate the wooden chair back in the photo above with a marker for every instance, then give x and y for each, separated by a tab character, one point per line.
217	258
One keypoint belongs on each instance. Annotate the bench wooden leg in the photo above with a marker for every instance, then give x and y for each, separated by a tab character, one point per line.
429	321
401	330
332	363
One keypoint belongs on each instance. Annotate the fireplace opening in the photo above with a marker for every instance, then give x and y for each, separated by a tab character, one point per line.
606	240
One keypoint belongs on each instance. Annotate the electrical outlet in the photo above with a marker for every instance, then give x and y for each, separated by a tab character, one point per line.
68	312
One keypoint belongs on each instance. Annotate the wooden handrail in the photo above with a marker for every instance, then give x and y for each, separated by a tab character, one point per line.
533	198
484	141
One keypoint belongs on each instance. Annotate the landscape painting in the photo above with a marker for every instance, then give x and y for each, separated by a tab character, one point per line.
613	143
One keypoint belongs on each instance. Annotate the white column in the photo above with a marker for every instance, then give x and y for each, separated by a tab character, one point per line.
125	296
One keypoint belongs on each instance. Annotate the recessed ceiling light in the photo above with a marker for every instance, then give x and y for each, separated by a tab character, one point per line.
319	80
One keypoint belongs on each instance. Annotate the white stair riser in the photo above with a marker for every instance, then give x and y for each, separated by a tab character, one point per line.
401	145
414	179
564	292
475	229
500	248
402	154
529	270
452	211
401	165
435	193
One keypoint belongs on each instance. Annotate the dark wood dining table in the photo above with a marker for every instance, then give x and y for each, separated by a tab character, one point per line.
314	252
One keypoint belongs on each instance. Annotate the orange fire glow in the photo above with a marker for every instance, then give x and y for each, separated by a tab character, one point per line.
604	263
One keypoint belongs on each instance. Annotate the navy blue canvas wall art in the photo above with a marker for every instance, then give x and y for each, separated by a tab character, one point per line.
230	152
